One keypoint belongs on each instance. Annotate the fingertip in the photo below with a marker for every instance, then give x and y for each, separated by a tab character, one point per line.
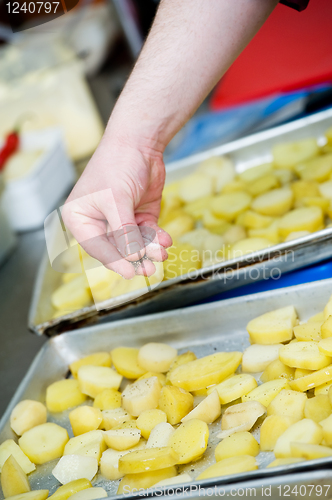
146	268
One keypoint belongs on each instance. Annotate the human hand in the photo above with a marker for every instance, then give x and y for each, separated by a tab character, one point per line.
114	207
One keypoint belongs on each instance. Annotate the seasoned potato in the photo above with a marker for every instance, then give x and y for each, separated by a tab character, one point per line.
229	206
63	394
317	169
44	442
73	467
277	369
160	435
72	295
316	378
148	421
27	414
303	355
287	155
207	410
241	443
234	387
108	399
257	357
196	186
148	460
318	408
310	451
96	359
176	403
84	419
272	428
125	360
265	393
95	379
141	395
240	417
69	489
122	439
190	440
274	203
135	482
304	431
14	480
220	169
114	417
263	184
90	444
228	466
32	495
8	448
288	403
156	357
308	331
273	327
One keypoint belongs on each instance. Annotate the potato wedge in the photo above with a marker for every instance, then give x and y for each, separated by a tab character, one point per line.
265	393
316	378
132	483
73	467
8	448
90	444
273	327
310	451
274	203
241	443
96	359
304	431
272	428
125	360
31	495
44	442
301	219
142	395
257	357
27	414
148	460
176	403
148	421
207	410
240	417
160	435
303	355
14	480
229	466
190	440
67	490
234	387
63	394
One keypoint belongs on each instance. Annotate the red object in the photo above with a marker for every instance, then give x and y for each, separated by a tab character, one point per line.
10	147
291	51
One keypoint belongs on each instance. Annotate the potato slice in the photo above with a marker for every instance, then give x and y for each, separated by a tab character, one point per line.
206	371
132	483
253	173
73	467
190	440
304	431
315	379
220	169
272	428
8	448
72	295
301	219
273	327
319	317
112	418
67	490
63	394
156	357
125	360
247	246
109	399
253	220
304	189
182	359
310	451
270	233
207	410
195	186
288	403
196	210
90	494
274	203
148	460
241	443
325	346
325	189
96	359
90	444
288	154
180	225
308	331
160	435
265	393
160	376
277	369
317	169
44	442
122	439
228	206
182	259
303	355
31	495
176	403
141	395
234	234
229	466
281	462
148	421
257	357
27	414
234	387
323	389
240	417
95	379
263	184
284	175
84	419
301	372
109	464
318	408
14	480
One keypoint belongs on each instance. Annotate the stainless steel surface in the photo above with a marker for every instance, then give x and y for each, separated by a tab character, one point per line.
203	329
183	290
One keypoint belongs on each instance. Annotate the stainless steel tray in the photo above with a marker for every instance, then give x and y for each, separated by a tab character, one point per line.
203	329
181	291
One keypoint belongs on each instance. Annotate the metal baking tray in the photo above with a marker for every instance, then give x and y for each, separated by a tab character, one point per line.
187	289
220	326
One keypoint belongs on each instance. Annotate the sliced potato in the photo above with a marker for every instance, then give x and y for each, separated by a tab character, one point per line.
323	389
176	403
228	206
31	495
303	355
257	357
96	359
8	448
241	443
326	425
265	393
207	410
318	408
317	378
84	419
122	439
27	414
195	186
288	154
270	233
308	331
301	219
148	420
67	490
190	440
14	480
156	357
253	220
73	467
132	483
220	169
281	462
114	417
148	460
274	203
160	435
44	442
141	395
277	369
72	295
273	327
317	169
263	184
234	387
125	360
63	394
272	428
95	379
247	246
288	403
310	451
325	346
240	417
109	462
228	466
252	174
108	399
304	431
180	225
90	444
90	494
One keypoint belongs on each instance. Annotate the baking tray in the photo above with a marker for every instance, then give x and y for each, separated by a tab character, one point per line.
203	329
183	290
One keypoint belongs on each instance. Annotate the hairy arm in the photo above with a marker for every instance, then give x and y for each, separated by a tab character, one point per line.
191	45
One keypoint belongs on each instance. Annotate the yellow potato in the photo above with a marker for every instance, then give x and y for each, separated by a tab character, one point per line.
95	379
263	184
265	393
31	495
96	359
190	440
182	259
274	203
318	408
317	169
253	173
325	346
241	443
108	399
304	189
228	206
253	220
257	357
197	208
220	169
310	451
315	379
288	403
308	331
284	175
84	419
228	466
247	246
122	439
323	389
288	154
270	233
148	420
125	360
214	224
132	483
8	448
327	314
90	444
316	201
182	359
63	394
147	460
160	376
301	219
44	443
326	425
27	414
195	186
304	431
206	371
179	226
296	234
67	490
156	357
234	234
273	327
301	372
175	402
113	418
207	410
142	395
272	428
72	295
277	369
319	317
303	355
14	480
234	387
281	462
240	417
129	424
234	186
160	435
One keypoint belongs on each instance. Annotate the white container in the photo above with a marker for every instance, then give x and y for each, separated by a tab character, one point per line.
28	200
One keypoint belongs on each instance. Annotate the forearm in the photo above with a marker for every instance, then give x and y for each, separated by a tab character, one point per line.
191	45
